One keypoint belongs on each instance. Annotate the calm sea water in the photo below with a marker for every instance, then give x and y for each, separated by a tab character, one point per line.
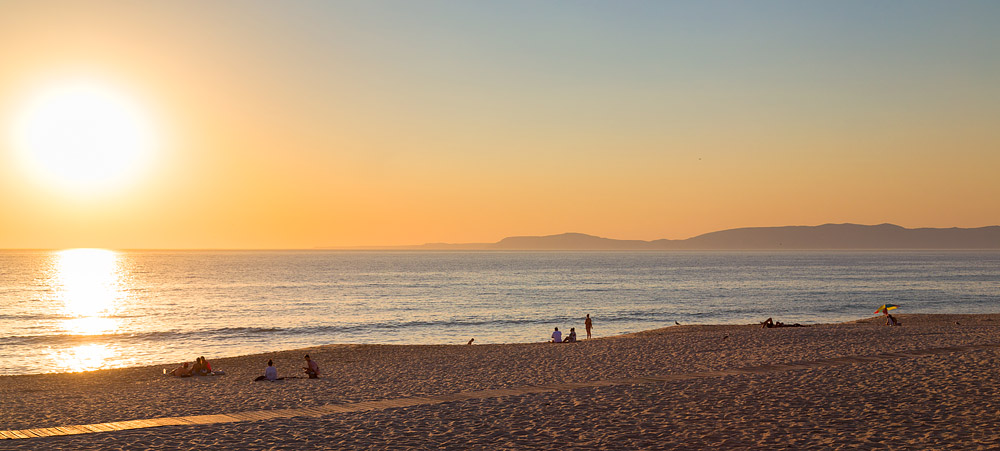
85	309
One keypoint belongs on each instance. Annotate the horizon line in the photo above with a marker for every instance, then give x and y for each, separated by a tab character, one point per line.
418	247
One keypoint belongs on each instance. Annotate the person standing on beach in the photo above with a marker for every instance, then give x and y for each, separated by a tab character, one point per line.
587	323
557	336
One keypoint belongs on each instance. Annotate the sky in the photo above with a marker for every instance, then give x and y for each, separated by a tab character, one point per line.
308	124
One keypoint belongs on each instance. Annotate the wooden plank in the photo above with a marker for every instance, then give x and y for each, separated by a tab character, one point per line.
200	419
225	418
364	405
244	416
222	418
102	427
339	408
130	424
117	425
171	421
312	411
409	402
141	424
282	413
248	416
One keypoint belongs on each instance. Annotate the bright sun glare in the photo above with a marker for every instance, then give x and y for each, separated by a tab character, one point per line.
84	135
88	281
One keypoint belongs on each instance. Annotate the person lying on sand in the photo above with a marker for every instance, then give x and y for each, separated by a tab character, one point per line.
769	323
181	371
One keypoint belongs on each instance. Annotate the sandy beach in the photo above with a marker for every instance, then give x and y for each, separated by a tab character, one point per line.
947	399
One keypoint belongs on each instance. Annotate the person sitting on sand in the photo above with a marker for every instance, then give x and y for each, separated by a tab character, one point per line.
556	336
201	367
572	336
311	368
181	371
890	320
270	373
197	369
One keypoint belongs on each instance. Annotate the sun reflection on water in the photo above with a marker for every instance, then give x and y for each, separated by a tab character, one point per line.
86	357
89	284
88	281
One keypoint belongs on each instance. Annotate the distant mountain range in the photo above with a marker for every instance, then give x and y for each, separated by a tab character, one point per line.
823	237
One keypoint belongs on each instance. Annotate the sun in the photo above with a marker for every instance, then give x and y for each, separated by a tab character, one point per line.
84	135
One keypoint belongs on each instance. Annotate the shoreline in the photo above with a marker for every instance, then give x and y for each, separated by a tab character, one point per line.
334	347
356	373
166	362
582	335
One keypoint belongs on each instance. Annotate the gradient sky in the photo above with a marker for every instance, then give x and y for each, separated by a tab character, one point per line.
303	124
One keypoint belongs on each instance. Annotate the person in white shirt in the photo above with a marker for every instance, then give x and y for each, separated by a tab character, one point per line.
270	373
557	336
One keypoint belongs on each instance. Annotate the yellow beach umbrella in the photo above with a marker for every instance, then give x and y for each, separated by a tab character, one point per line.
885	308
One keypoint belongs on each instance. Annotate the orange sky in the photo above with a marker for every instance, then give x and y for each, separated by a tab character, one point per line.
383	123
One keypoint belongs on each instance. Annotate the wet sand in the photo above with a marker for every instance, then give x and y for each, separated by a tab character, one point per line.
948	399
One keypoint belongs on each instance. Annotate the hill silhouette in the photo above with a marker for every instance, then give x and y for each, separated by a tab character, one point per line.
823	237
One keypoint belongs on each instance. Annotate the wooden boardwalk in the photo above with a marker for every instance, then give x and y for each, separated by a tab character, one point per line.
328	409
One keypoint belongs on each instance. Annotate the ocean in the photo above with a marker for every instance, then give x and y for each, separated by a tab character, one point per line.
84	309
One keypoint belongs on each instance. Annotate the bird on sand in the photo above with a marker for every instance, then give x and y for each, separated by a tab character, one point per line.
675	322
